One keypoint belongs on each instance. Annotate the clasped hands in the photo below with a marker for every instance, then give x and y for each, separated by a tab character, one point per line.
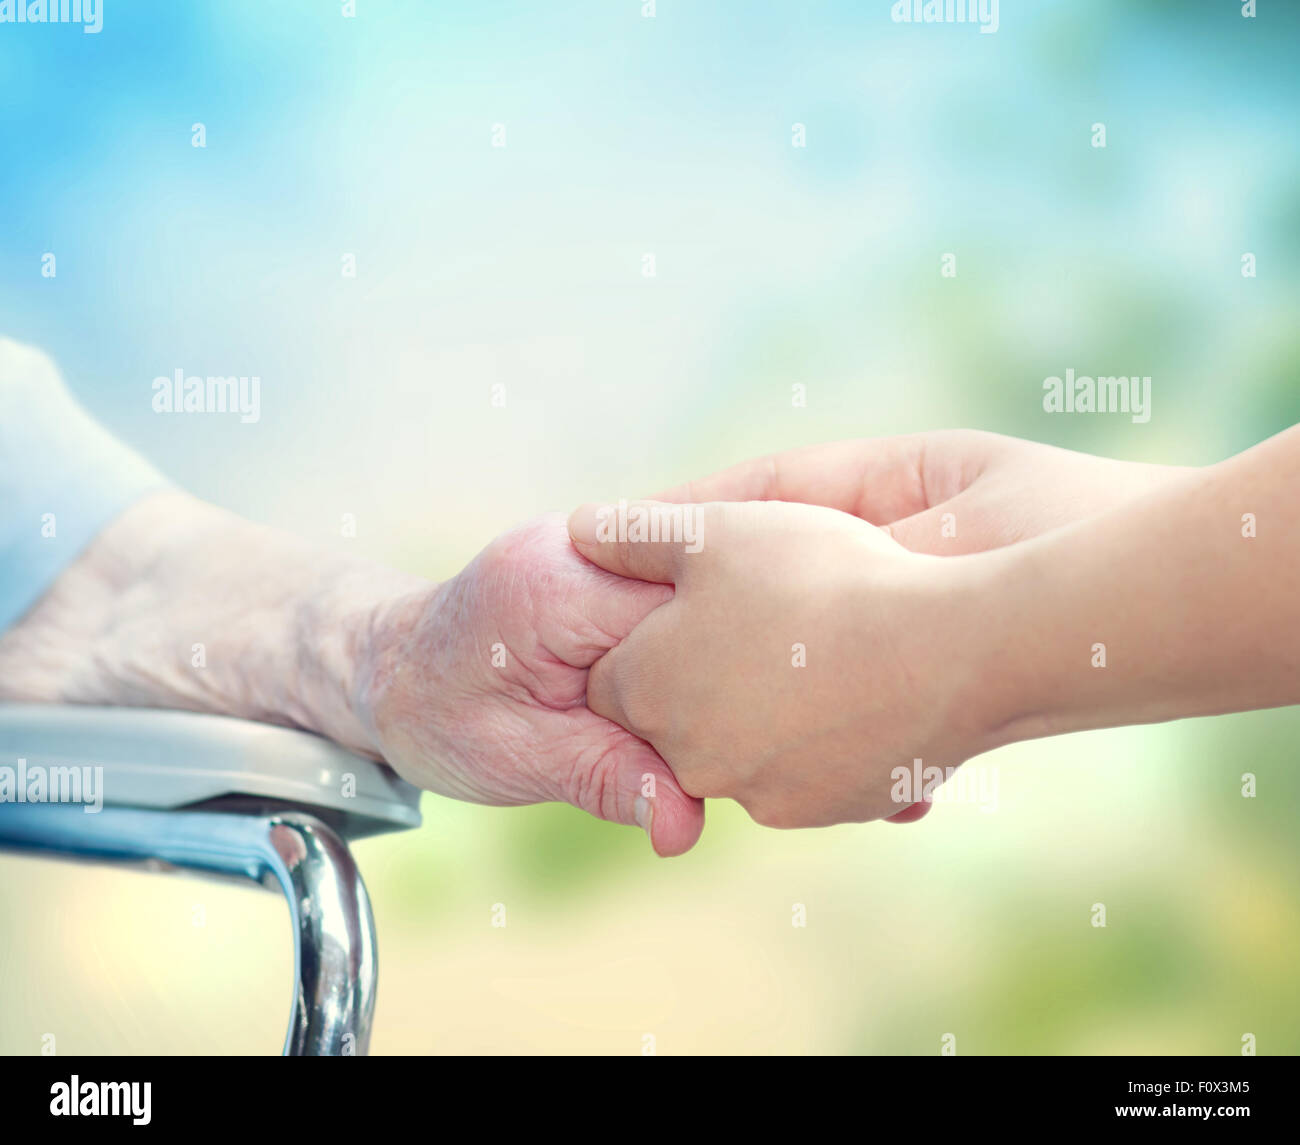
831	616
832	620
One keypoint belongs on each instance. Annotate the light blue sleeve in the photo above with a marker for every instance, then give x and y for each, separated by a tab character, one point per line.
63	477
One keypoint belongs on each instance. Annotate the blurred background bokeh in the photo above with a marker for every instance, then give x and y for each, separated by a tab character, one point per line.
522	266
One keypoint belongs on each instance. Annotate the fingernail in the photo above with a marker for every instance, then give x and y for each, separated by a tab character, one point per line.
582	524
644	812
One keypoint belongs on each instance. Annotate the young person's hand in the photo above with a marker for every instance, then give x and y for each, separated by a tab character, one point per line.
804	656
945	492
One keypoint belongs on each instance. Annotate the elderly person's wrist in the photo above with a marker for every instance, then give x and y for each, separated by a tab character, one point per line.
178	604
353	626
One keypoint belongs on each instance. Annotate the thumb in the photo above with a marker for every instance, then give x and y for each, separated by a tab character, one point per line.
646	540
624	780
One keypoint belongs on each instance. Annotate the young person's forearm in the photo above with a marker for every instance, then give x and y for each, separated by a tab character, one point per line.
179	604
1176	605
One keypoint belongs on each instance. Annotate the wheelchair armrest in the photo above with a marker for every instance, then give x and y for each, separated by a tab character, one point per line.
167	760
220	796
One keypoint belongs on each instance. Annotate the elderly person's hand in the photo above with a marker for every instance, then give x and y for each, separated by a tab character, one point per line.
474	688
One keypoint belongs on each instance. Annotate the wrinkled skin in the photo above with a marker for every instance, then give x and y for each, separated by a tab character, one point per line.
519	731
387	664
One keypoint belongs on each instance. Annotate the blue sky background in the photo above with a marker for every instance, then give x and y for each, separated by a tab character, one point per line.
628	135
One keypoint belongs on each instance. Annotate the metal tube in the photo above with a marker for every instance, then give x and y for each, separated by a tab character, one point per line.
335	954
